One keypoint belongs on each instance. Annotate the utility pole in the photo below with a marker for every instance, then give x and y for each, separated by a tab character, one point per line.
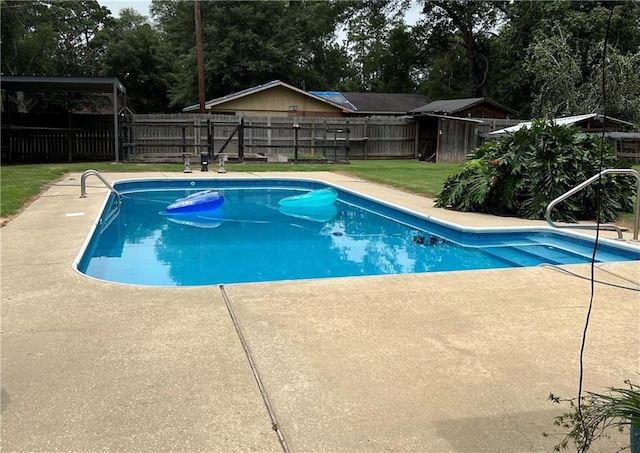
200	58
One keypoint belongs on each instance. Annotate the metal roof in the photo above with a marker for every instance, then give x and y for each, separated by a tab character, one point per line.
32	83
69	84
564	121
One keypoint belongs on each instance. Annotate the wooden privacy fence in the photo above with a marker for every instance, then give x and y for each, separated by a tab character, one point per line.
172	137
59	138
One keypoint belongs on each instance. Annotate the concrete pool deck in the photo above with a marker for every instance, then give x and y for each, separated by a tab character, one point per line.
442	362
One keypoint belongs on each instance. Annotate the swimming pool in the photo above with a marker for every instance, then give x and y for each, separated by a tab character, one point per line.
251	238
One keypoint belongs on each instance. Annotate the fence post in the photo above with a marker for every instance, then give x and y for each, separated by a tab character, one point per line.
210	137
346	143
241	140
366	135
197	134
184	140
296	127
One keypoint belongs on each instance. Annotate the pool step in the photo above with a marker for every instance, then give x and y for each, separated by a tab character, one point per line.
535	254
553	255
512	256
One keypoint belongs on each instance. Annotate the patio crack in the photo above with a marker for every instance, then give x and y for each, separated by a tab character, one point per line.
274	422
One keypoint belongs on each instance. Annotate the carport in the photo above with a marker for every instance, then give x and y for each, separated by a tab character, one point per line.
63	84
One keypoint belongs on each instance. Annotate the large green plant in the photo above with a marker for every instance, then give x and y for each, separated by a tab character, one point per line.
520	173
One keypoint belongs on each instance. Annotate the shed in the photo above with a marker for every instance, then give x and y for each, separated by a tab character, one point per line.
465	108
445	139
590	122
59	138
626	144
448	129
275	99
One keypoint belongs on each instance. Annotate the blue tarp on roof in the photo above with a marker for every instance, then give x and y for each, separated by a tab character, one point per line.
335	97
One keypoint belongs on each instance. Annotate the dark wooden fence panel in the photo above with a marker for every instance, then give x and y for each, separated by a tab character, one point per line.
57	137
95	140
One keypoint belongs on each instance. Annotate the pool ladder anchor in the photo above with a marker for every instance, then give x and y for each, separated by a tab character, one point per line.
595	226
83	183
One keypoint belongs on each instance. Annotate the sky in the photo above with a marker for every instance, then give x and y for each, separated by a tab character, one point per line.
142	6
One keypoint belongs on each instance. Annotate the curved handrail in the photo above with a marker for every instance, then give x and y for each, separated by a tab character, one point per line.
605	226
83	183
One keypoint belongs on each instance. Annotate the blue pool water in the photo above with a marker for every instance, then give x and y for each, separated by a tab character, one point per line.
252	239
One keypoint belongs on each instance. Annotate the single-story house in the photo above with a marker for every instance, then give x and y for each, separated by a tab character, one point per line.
274	98
277	98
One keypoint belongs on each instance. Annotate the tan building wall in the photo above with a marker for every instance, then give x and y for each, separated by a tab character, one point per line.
277	101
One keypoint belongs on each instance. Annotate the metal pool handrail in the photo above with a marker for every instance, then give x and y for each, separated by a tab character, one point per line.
83	183
593	226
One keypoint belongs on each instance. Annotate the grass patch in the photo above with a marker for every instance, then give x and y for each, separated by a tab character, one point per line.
20	184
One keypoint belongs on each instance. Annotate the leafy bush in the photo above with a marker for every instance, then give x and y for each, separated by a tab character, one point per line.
519	174
619	408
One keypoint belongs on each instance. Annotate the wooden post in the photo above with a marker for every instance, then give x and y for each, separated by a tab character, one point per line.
184	140
366	135
241	140
347	147
116	129
9	140
296	126
210	137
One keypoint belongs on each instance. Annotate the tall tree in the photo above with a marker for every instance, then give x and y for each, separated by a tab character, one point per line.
368	27
131	50
26	40
399	62
575	29
469	23
566	62
322	63
247	43
51	38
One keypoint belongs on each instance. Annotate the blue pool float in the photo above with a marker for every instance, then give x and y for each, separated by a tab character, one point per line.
315	198
315	214
201	219
207	200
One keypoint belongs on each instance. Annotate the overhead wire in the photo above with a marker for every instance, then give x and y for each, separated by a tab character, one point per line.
598	213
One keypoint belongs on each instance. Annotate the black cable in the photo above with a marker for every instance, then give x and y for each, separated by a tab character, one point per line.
598	212
602	282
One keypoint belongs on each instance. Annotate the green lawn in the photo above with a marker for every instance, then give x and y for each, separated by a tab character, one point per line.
21	183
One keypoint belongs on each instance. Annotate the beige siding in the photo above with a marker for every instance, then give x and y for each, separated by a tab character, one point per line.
277	101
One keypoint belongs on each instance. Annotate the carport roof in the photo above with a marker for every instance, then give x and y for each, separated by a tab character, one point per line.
69	84
61	83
